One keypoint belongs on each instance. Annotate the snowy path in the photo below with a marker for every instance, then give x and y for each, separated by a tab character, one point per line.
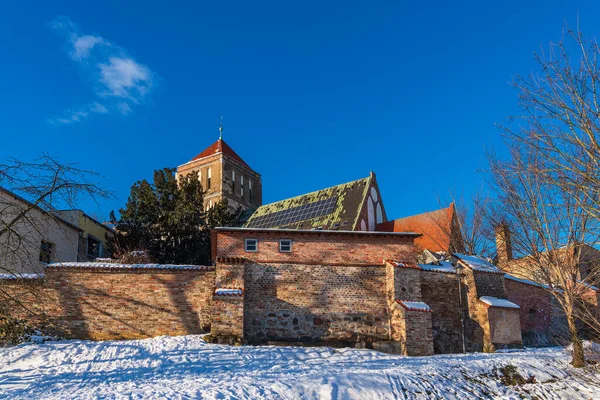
185	367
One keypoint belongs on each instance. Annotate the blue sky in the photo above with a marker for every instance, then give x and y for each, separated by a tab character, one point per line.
313	93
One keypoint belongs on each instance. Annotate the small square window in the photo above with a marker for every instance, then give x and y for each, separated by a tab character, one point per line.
251	245
285	246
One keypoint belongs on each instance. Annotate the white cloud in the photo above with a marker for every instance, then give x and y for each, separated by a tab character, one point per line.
83	45
77	114
124	108
116	76
125	78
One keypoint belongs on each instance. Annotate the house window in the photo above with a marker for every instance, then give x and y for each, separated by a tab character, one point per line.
250	189
285	245
93	247
232	181
46	252
208	177
242	186
251	245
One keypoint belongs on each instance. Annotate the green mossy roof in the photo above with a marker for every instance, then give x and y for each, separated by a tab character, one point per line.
350	200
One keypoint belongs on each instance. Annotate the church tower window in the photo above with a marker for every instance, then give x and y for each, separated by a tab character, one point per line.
208	177
232	181
242	186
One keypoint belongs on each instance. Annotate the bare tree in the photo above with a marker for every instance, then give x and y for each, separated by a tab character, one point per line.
466	229
555	147
549	229
30	195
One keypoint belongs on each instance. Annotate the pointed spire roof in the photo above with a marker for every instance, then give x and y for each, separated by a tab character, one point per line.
220	147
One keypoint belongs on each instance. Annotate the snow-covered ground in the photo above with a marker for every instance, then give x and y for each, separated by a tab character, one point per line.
185	367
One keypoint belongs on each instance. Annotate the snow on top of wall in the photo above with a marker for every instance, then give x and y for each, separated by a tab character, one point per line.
21	276
228	292
114	266
403	264
477	263
496	302
414	305
444	266
526	281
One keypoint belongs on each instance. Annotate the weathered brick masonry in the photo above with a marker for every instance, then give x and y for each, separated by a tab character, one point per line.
103	303
359	289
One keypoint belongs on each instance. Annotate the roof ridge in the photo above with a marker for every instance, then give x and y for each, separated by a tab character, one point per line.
314	192
220	147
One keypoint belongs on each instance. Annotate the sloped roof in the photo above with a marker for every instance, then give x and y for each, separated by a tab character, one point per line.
220	147
477	263
334	208
434	225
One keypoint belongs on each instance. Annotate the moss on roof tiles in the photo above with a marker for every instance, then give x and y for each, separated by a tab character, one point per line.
350	199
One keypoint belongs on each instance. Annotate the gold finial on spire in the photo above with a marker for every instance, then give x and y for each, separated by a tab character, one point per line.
221	129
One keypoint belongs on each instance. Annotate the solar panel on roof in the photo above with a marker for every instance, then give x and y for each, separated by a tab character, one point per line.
294	214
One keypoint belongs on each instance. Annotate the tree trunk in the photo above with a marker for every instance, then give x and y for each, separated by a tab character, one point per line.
578	360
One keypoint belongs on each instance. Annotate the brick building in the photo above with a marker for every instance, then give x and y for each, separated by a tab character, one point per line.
225	175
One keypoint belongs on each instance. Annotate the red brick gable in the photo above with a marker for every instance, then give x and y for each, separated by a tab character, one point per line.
220	147
434	225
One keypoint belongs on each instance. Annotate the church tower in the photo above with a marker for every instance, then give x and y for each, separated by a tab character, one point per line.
224	175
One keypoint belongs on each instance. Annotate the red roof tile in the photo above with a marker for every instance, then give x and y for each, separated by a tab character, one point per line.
435	227
220	147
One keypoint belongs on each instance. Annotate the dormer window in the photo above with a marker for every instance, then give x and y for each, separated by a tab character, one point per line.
251	245
285	245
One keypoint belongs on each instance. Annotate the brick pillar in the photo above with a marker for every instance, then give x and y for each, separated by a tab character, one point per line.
227	319
410	328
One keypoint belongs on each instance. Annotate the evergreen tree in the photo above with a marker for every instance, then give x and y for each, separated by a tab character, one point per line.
167	220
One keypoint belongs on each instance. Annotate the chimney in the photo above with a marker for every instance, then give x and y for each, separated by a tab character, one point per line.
503	245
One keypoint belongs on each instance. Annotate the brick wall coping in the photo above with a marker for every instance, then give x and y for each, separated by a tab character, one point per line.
497	302
318	232
112	266
414	305
525	281
21	276
403	264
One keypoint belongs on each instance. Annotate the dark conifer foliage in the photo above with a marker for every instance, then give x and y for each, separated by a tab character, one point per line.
166	219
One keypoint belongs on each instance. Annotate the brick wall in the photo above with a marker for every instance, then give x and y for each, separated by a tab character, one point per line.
100	304
314	247
535	314
227	312
489	284
441	292
315	303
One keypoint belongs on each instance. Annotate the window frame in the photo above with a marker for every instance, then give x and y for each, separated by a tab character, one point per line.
291	245
44	251
98	243
246	240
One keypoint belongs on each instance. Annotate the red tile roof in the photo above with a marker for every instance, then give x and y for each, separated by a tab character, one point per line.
220	147
435	227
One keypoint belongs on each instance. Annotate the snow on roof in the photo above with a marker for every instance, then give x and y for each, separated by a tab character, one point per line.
414	305
113	266
496	302
228	292
444	266
403	264
477	263
21	276
526	281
